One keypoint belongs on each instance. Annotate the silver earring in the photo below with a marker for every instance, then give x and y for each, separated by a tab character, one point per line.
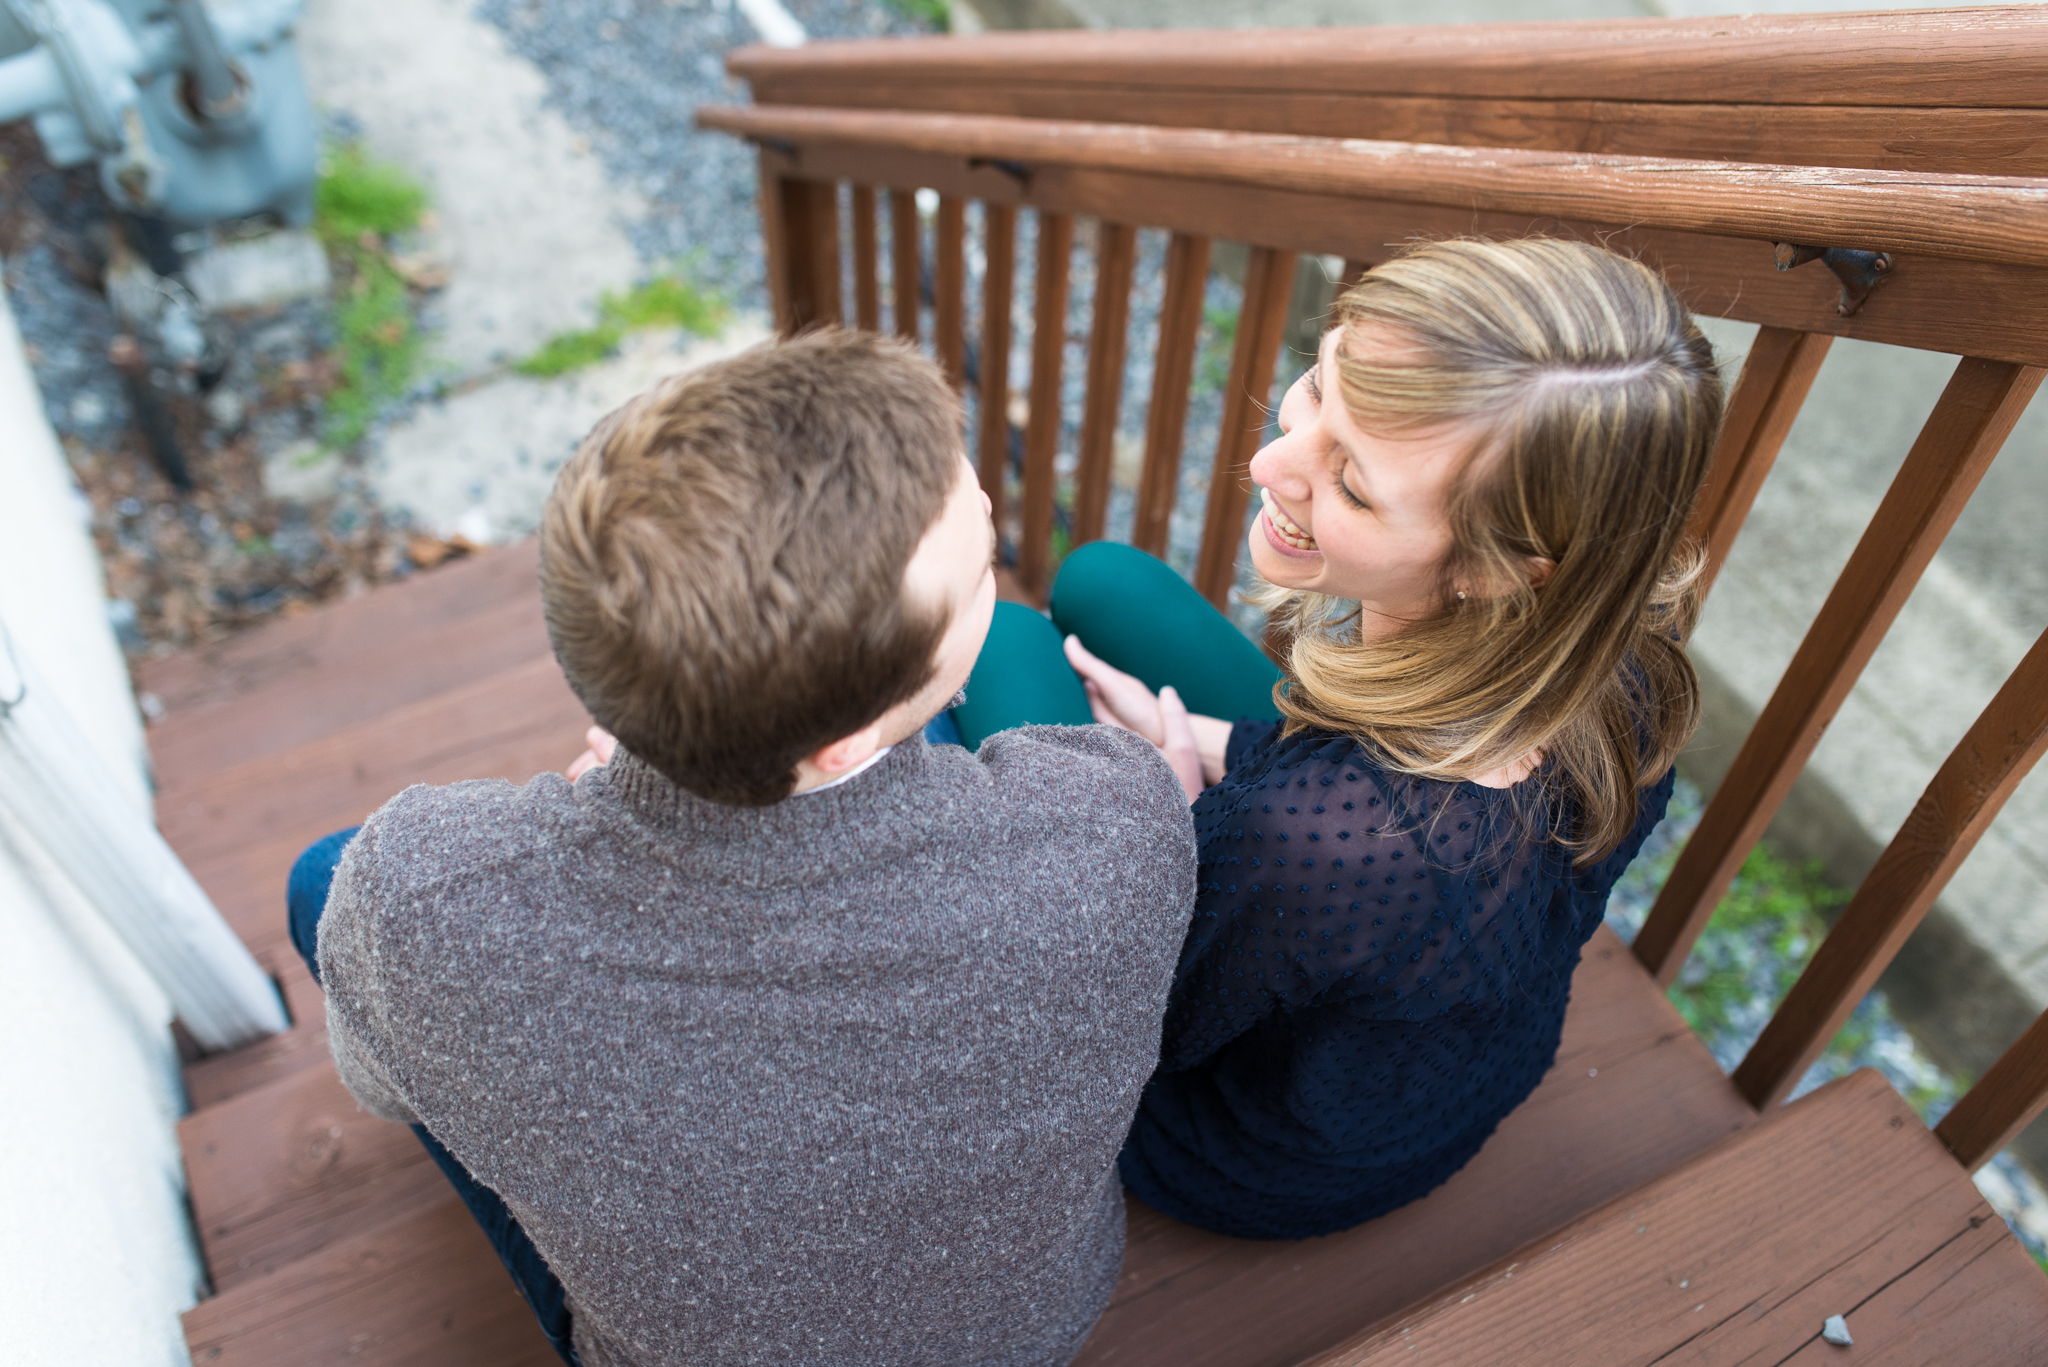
1461	595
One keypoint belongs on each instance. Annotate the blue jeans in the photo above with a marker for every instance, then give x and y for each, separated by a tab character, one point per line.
306	897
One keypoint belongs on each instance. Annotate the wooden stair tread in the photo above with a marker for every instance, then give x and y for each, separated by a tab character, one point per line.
303	648
1632	1093
1843	1204
337	692
240	829
424	1291
221	1077
283	1171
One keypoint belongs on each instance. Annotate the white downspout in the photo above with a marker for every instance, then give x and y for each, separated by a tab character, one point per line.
55	784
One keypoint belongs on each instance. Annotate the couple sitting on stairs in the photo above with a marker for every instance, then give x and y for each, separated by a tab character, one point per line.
822	1015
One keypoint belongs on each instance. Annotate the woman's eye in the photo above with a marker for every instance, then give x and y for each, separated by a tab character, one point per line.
1345	491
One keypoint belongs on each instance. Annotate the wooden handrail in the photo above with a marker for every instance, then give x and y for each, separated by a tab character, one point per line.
1997	219
1908	58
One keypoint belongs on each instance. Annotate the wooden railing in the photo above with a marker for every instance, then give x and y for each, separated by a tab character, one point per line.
1724	148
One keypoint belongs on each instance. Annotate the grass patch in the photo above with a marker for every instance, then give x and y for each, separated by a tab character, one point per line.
359	205
668	301
933	14
1212	371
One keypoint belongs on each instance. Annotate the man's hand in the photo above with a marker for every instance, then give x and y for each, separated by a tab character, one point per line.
1122	700
601	743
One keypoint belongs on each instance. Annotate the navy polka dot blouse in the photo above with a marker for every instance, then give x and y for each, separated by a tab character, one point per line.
1376	974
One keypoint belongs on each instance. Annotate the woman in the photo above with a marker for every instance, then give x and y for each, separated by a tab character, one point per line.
1473	528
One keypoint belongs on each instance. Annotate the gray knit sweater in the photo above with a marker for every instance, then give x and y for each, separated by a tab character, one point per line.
838	1081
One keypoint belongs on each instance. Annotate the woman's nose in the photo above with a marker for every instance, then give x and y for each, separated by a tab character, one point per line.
1282	465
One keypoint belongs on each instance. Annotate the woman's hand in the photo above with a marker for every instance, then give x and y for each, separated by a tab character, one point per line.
1122	700
601	743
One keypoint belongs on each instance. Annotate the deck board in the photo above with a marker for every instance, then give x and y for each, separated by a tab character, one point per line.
426	1291
1844	1203
282	1172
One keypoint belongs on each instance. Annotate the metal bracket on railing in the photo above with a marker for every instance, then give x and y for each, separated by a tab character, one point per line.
1860	272
1015	170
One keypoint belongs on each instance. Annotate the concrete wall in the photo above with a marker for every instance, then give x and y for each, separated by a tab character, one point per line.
96	1250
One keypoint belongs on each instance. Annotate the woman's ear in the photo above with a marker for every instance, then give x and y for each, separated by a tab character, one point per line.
1540	568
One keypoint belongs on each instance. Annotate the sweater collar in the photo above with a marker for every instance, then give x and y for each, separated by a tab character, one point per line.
869	813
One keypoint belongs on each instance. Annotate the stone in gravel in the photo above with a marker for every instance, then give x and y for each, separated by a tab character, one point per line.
253	271
301	472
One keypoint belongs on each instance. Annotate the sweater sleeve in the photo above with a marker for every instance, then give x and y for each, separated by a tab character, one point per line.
356	1016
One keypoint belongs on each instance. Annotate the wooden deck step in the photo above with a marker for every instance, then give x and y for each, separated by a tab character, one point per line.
296	679
1632	1094
425	1291
1844	1204
221	1077
288	1169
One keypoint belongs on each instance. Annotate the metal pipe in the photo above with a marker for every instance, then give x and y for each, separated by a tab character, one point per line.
29	84
220	89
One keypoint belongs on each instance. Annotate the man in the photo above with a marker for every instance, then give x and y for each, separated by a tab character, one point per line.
784	1036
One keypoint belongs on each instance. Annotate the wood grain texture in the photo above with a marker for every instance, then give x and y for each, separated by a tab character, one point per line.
949	303
1843	1204
772	203
999	248
1775	379
906	263
809	235
867	292
1970	422
1116	258
1261	325
1631	1095
1956	140
1959	307
1973	218
425	1291
1173	364
282	1172
1969	789
1938	58
2008	1098
222	1077
1042	427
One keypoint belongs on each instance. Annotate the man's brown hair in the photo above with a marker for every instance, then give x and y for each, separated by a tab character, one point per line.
722	560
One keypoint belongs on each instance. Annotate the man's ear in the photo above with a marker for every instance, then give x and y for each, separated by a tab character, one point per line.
845	753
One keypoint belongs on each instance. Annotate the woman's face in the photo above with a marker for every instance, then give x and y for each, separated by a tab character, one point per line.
1353	515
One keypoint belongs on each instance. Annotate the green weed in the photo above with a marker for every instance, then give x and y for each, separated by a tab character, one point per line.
667	301
933	14
359	204
1212	371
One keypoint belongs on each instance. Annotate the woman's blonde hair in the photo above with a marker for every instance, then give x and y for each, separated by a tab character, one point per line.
1597	404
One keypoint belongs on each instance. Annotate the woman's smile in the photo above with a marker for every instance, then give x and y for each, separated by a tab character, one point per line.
1286	537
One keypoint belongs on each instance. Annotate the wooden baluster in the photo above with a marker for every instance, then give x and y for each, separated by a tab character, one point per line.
1042	428
1268	287
810	245
1116	259
774	207
908	283
1944	826
2005	1101
1780	369
949	308
1976	412
867	294
1180	322
999	242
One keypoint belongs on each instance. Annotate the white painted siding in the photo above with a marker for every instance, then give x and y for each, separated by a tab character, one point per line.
96	1252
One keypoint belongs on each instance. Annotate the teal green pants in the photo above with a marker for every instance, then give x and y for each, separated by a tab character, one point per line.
1131	611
